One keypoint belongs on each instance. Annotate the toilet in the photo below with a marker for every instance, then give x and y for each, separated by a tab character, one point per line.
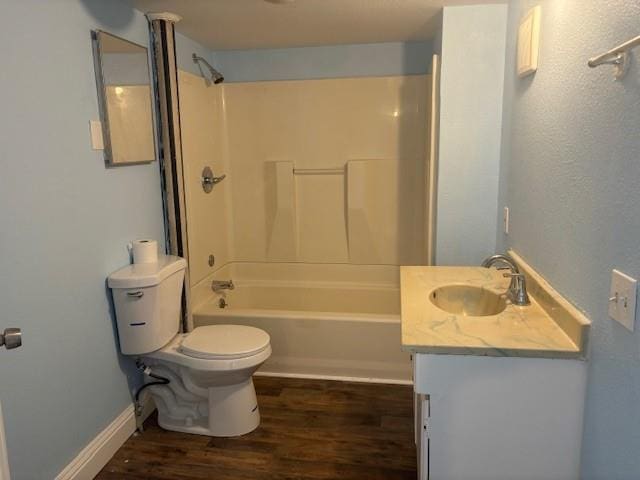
210	389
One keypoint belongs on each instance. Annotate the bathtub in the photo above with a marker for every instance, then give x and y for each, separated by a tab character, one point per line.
325	321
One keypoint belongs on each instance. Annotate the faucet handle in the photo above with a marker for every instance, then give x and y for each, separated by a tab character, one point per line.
518	289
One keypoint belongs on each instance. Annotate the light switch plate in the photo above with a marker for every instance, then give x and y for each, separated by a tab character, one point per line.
95	127
622	299
505	220
528	41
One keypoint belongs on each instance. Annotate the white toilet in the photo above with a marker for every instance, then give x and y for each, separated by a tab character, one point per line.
210	389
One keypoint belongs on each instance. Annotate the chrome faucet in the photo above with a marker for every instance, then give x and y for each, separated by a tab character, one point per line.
517	291
219	285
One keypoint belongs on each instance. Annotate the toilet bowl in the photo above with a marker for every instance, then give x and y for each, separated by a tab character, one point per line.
209	370
210	391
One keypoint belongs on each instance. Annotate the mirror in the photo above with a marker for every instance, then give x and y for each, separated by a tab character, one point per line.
124	90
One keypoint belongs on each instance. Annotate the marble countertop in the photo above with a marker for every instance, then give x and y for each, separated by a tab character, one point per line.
550	327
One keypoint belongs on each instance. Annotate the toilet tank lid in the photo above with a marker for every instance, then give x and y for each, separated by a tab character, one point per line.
146	274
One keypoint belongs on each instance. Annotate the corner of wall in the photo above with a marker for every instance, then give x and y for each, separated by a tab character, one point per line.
470	132
502	239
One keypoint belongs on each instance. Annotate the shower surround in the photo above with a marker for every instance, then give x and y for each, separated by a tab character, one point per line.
324	198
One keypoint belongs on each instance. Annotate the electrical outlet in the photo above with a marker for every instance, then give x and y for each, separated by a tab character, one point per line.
505	220
622	299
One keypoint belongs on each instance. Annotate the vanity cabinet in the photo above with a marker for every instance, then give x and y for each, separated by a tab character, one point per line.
499	387
498	418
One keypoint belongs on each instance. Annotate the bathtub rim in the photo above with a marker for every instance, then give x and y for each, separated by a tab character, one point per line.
211	309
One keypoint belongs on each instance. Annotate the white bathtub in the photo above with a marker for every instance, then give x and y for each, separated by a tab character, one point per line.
325	321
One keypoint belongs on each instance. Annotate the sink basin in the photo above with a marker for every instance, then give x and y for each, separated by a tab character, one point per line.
467	300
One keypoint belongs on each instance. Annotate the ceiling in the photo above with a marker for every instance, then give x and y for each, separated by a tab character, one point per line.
248	24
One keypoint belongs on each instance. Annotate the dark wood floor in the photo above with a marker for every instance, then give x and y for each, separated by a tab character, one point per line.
310	429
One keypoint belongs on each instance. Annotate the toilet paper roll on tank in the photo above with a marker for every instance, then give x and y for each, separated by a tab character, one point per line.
143	250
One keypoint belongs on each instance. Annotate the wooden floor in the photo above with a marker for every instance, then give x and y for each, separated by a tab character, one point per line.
310	429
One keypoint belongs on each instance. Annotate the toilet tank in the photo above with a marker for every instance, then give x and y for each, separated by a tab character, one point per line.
147	299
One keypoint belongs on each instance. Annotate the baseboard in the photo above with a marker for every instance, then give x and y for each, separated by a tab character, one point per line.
339	378
100	450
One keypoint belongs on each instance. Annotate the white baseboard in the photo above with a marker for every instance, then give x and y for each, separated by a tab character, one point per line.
339	378
100	450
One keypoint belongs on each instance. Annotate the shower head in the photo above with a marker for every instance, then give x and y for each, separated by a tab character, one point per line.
216	76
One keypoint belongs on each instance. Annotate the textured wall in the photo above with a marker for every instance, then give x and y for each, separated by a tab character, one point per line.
65	222
370	60
571	177
473	43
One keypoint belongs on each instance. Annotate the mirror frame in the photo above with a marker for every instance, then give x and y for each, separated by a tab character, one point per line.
102	101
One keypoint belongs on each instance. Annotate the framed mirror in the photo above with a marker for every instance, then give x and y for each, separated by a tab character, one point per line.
125	97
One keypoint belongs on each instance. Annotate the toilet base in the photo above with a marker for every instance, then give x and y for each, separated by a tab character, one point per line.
213	397
232	411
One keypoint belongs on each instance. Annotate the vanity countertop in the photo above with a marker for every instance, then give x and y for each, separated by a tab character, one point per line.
550	327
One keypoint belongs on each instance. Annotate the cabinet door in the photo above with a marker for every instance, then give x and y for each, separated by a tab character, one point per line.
4	459
422	413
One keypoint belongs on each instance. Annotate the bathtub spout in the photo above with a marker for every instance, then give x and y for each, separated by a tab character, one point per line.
219	285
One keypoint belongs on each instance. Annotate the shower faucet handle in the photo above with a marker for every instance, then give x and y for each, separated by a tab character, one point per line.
213	180
209	179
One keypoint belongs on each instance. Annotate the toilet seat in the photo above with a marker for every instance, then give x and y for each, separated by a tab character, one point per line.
224	342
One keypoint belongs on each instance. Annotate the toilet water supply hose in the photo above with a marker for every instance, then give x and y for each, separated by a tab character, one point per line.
158	380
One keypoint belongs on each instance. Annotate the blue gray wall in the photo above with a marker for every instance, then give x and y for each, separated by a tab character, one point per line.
65	222
377	59
571	176
471	91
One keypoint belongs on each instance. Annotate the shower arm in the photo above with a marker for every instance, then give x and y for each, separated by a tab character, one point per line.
216	76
